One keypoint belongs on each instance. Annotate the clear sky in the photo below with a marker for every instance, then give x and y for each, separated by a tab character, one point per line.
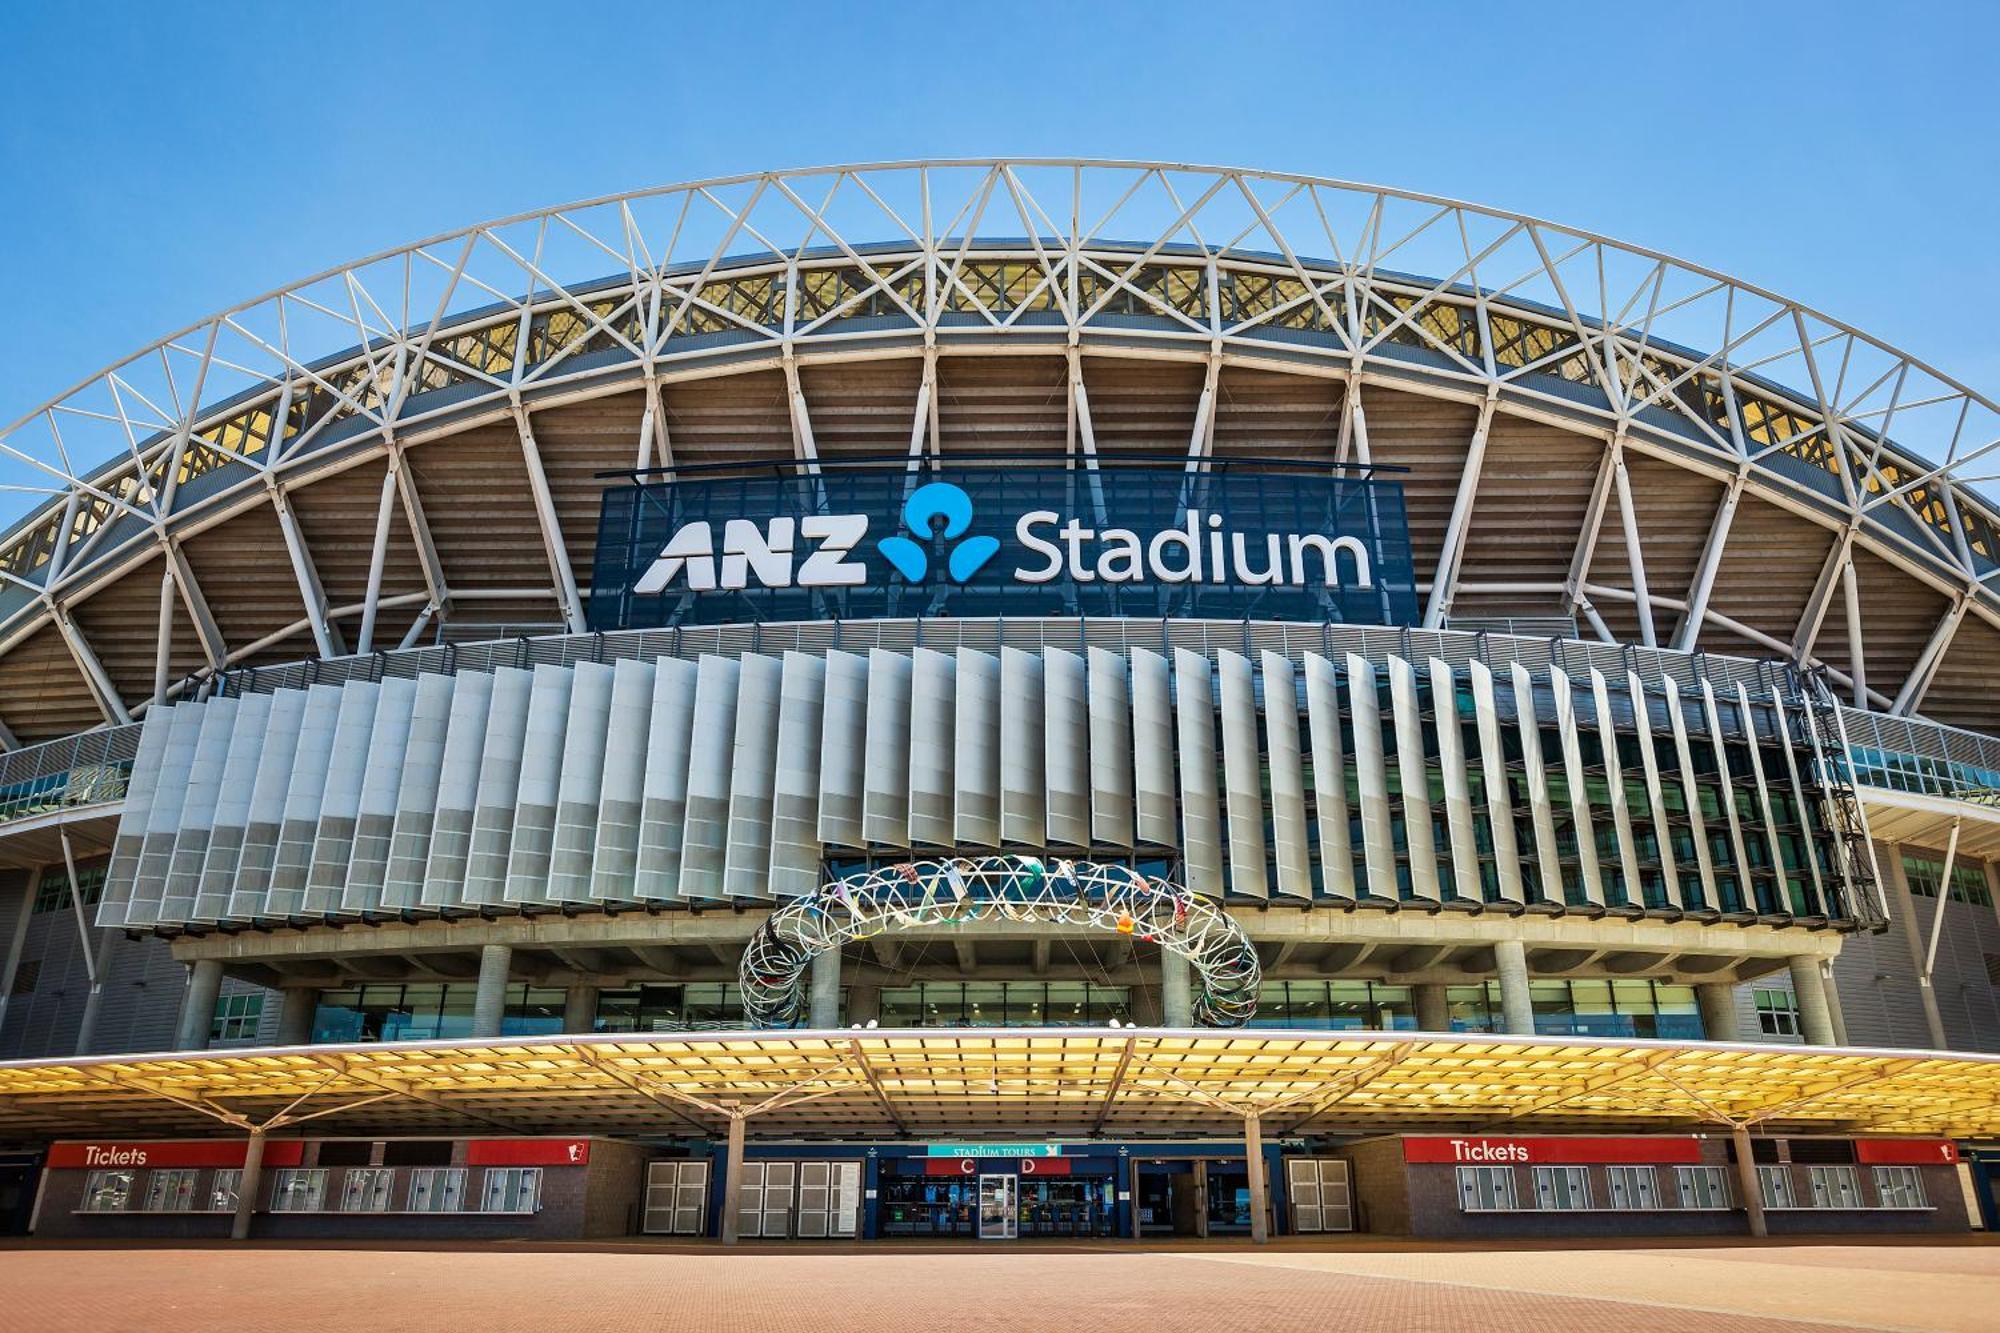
159	162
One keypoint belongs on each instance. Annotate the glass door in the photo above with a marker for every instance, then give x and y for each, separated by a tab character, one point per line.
999	1212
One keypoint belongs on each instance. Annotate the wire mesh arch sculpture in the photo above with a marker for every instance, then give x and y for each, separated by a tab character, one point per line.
961	890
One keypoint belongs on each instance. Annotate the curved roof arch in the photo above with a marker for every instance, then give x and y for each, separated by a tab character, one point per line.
782	269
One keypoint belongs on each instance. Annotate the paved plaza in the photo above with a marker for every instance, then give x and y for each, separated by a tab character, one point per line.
1111	1288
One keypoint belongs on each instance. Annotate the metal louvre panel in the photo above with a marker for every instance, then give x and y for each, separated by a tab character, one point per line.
1413	769
303	799
1066	747
1775	852
711	741
499	785
340	802
133	818
1655	798
1371	766
580	785
1201	816
1691	797
458	789
1614	777
663	807
1823	901
1548	864
1153	786
975	816
1499	801
251	889
933	711
1728	798
614	860
534	837
746	871
1579	790
1023	803
885	778
232	809
1336	850
1457	790
843	750
156	853
1242	777
375	811
795	845
418	791
1290	840
1110	748
197	817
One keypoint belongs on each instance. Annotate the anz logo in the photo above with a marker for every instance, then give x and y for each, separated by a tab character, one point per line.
921	513
825	541
816	551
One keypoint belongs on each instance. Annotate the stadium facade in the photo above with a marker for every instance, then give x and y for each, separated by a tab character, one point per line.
1003	698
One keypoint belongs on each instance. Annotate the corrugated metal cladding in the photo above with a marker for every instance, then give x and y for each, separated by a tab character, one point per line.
1270	776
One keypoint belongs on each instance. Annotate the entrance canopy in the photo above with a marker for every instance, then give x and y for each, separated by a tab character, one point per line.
1043	1082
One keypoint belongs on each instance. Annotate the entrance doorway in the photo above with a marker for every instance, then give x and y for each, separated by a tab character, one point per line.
17	1193
999	1209
1169	1198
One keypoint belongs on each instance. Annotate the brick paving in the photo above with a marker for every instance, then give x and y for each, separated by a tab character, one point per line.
891	1288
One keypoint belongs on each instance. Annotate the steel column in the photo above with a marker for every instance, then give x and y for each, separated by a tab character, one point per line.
198	1004
248	1183
1746	1180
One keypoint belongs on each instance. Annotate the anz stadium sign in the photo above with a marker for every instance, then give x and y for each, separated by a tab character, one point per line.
1242	540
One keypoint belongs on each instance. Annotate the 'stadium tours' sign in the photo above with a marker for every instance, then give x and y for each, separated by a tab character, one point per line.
1243	540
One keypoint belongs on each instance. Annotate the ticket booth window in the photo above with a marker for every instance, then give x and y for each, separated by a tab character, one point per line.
222	1190
437	1189
170	1191
1562	1188
513	1189
107	1191
1900	1187
1486	1189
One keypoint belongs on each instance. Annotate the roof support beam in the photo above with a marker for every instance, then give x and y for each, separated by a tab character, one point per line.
1911	696
1834	571
1444	584
567	600
325	638
378	555
213	646
1688	631
1635	555
1586	541
94	674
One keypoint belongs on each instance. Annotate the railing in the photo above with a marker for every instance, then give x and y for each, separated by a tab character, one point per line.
1902	754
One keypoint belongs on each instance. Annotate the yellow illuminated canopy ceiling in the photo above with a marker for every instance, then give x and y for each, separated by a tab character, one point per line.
1065	1082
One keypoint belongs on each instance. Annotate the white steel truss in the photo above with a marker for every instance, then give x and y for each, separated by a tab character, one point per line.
1662	357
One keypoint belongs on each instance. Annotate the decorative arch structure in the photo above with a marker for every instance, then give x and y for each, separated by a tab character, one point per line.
963	890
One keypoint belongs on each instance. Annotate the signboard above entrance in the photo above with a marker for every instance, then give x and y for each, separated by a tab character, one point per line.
1482	1151
871	539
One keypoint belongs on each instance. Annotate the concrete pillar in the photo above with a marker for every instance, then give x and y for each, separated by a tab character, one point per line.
296	1006
1890	856
1433	1008
247	1186
1719	1019
198	1005
823	1008
1260	1192
1176	991
1815	1022
1746	1182
732	1181
1839	1016
864	1004
17	940
93	1004
489	998
1517	1006
580	1009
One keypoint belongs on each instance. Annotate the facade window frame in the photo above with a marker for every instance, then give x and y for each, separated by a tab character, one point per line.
170	1190
1487	1189
1703	1186
367	1189
1633	1188
512	1189
108	1191
298	1189
1900	1187
1562	1189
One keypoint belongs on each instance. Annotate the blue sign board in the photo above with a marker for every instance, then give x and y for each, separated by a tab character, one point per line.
993	1150
1243	541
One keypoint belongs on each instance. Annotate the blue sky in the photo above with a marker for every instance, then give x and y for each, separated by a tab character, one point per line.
160	162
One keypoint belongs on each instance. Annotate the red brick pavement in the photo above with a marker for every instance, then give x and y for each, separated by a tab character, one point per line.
888	1288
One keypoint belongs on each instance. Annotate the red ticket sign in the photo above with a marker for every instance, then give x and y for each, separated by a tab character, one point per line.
1906	1152
176	1152
1484	1151
528	1152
